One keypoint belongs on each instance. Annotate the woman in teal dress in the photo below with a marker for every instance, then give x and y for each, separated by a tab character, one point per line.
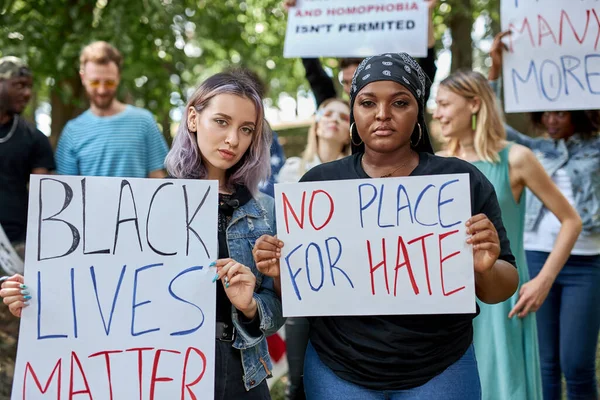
505	334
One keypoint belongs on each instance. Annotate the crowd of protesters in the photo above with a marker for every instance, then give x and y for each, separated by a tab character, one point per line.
535	225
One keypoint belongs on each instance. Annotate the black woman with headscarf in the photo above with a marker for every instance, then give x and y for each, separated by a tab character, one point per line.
401	356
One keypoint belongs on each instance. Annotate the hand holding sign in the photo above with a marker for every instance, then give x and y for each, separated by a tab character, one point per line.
15	294
239	283
496	52
485	241
267	252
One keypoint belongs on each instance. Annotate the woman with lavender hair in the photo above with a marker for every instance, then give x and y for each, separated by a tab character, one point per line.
223	136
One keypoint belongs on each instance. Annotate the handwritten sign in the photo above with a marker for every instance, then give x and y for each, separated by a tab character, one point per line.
553	59
356	28
123	305
376	246
10	261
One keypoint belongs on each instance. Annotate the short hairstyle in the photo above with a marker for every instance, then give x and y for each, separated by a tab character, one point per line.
100	53
489	132
185	161
585	122
348	62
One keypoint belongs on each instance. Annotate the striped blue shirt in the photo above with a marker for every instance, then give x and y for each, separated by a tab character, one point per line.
127	144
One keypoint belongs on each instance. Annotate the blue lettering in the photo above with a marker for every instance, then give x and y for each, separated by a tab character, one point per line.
441	203
360	200
315	289
39	313
402	189
379	209
419	202
136	305
115	296
332	265
292	275
189	331
515	75
568	69
588	73
551	83
73	307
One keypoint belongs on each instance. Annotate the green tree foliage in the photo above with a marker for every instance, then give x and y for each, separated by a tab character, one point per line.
169	46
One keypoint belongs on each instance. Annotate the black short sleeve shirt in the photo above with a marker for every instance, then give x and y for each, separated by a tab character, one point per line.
396	352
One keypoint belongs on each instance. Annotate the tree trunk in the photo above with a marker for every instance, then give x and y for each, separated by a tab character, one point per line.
460	24
62	112
165	122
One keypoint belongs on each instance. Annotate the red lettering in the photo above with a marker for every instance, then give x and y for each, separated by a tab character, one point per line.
310	209
541	24
154	378
525	24
140	363
426	262
286	205
185	385
29	368
374	268
443	259
402	249
85	382
308	13
563	16
106	355
598	34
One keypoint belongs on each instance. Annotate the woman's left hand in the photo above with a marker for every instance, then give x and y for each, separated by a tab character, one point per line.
485	241
531	296
239	282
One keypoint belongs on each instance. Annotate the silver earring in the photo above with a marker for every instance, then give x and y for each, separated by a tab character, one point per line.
420	136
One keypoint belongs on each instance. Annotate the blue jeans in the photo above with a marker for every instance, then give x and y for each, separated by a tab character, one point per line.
568	325
460	381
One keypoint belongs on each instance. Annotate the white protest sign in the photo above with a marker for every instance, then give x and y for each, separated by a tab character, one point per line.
123	303
376	246
356	28
10	261
552	62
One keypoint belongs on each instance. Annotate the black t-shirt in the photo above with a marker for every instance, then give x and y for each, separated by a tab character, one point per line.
25	150
395	352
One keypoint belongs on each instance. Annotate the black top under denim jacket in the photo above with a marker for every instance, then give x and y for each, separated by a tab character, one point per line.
248	221
227	205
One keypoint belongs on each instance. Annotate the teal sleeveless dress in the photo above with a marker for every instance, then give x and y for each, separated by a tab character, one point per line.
507	349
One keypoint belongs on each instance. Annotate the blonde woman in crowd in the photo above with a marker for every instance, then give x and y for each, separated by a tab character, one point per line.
505	334
328	140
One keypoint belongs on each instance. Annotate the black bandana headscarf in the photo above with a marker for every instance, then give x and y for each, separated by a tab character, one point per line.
400	68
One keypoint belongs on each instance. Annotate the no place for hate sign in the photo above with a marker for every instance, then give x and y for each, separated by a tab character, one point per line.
123	303
553	57
356	28
376	246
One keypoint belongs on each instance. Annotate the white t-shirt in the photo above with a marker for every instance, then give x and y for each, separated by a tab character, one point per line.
294	168
543	238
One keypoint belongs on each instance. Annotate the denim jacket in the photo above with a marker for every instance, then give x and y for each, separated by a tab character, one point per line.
248	223
580	158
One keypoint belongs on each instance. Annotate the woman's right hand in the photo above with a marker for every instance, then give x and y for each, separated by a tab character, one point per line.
15	294
496	52
266	253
